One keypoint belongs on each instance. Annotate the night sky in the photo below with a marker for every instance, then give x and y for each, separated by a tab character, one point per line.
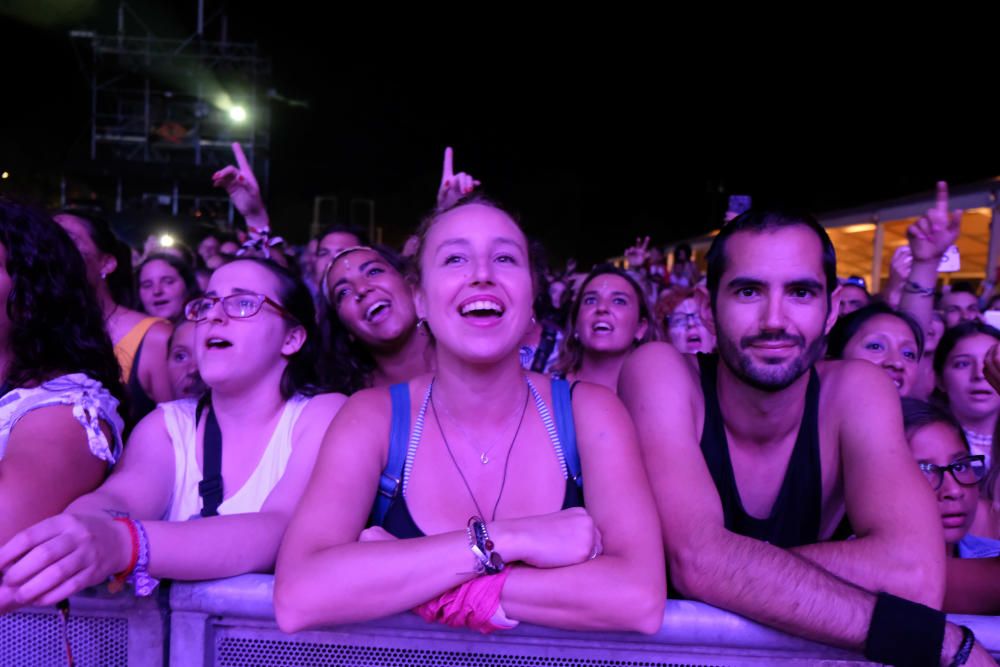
593	143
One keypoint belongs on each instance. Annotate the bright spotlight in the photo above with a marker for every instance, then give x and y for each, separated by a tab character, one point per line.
237	114
5	175
166	240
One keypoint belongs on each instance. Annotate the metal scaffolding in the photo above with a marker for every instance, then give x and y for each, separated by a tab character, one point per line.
166	104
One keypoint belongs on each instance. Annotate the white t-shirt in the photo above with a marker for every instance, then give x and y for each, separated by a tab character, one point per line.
185	502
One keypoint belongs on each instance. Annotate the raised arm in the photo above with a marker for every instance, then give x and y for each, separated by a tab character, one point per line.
453	186
929	237
241	185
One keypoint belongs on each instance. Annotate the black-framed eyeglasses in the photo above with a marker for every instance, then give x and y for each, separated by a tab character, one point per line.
967	471
683	320
237	306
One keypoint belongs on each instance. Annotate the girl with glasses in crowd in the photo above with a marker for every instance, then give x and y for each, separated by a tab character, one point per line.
472	476
682	322
608	319
937	442
255	436
60	431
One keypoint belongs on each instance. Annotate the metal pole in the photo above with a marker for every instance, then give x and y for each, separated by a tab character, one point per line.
877	247
62	191
118	196
201	17
174	202
993	255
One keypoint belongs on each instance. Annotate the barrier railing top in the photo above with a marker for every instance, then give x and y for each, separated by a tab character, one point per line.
685	622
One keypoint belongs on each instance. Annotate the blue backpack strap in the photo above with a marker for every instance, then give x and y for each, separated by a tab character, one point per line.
562	409
390	482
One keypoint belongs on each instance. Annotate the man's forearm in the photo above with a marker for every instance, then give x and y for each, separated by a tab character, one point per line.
880	564
777	588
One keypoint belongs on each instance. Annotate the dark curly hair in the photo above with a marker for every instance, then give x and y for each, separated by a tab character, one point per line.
348	364
55	320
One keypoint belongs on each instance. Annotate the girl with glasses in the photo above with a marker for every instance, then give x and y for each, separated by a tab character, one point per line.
237	460
682	322
459	494
953	473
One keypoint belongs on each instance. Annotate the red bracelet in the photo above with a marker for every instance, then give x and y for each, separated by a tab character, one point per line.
117	582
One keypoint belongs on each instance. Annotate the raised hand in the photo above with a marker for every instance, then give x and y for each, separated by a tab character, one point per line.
637	255
937	229
241	185
899	266
453	186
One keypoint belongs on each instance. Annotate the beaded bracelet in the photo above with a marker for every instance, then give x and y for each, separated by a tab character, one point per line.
482	547
143	582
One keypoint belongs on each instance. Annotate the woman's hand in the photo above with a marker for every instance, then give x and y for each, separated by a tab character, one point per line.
567	537
61	556
453	186
241	185
937	229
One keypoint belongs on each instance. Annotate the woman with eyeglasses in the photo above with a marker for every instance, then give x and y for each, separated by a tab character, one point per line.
608	319
371	332
938	444
682	321
470	480
240	457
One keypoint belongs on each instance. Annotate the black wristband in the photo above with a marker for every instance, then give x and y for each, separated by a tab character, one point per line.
965	649
904	633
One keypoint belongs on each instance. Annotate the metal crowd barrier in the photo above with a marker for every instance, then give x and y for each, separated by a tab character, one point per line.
104	631
230	623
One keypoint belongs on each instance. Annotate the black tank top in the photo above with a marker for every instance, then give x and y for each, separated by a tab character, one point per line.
795	517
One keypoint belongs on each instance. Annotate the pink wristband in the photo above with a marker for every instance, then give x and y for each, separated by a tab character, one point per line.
472	605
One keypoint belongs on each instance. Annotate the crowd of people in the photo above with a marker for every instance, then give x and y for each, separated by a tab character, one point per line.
411	429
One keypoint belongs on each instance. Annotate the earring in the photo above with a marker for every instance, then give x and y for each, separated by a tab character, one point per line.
421	323
103	275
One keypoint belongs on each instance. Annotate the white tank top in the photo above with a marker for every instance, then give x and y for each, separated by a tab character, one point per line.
182	428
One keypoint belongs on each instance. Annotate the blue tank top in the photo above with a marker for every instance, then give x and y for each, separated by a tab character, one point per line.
390	510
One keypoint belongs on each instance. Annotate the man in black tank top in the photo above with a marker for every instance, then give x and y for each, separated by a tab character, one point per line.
757	456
